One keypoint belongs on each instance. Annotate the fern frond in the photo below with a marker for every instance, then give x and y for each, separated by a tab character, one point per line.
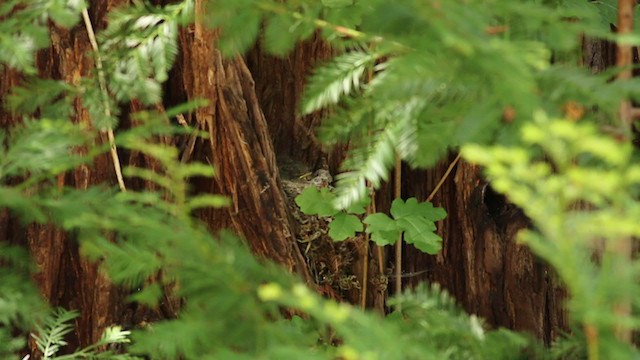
50	336
25	30
351	119
51	98
139	48
369	162
283	32
341	77
42	148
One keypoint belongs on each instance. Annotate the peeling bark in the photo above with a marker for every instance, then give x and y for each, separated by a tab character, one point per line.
239	147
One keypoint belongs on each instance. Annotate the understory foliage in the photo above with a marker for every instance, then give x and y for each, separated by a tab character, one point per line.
415	79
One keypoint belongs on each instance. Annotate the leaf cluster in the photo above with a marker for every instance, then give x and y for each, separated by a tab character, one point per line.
49	339
579	187
140	46
24	28
414	220
418	79
232	301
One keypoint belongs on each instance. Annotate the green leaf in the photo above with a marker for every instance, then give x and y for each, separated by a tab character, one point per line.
278	39
344	226
115	335
43	147
316	202
66	13
149	295
22	205
214	201
412	207
417	221
359	207
379	222
196	169
420	233
338	78
370	162
337	3
240	35
382	228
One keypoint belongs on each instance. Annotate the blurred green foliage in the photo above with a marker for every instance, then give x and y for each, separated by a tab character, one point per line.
415	78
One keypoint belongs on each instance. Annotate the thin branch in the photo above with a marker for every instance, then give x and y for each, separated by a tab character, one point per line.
365	273
105	97
397	193
323	24
443	178
624	56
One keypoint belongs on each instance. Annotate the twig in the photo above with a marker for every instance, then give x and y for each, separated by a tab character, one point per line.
591	334
397	193
365	252
323	24
443	178
105	97
379	249
410	274
365	273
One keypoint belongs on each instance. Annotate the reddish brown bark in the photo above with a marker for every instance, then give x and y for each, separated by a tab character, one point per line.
279	85
64	277
240	148
481	263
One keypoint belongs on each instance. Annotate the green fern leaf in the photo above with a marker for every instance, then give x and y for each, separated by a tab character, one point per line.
339	78
50	336
369	163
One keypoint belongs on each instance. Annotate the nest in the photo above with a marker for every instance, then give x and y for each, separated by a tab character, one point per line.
329	262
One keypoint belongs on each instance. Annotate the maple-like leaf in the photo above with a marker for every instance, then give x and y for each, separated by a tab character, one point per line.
316	202
382	228
417	220
344	226
412	207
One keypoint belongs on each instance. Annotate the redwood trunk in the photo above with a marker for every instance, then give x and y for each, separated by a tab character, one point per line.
481	263
239	147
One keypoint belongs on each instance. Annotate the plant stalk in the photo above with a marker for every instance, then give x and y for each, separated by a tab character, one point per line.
105	96
397	193
624	61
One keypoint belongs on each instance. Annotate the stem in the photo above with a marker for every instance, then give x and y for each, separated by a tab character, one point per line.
105	98
591	333
443	178
624	60
365	272
319	23
379	249
397	193
323	24
365	253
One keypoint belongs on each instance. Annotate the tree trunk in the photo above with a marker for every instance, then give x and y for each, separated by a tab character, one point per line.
481	263
239	147
64	277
